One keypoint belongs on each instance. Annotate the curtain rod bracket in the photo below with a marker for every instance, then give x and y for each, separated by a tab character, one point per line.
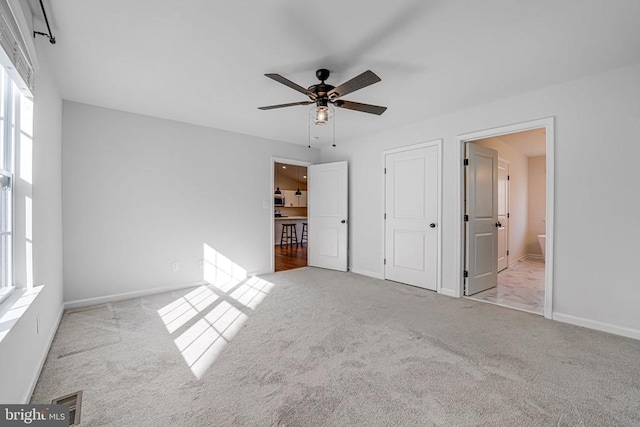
50	36
52	39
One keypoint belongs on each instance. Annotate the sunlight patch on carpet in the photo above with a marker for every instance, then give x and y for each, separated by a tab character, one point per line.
206	319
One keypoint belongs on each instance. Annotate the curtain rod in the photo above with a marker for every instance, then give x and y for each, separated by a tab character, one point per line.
50	36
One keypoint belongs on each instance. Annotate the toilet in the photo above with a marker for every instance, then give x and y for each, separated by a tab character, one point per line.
542	239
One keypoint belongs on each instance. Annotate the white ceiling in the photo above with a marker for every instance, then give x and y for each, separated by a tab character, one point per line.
202	61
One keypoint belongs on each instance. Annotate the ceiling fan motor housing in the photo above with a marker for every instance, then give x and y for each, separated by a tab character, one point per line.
322	89
322	74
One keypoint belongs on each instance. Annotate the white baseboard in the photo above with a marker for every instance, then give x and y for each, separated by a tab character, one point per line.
599	326
367	273
448	292
524	257
128	295
34	381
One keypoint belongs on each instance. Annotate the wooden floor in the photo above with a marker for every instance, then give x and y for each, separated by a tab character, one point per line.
288	258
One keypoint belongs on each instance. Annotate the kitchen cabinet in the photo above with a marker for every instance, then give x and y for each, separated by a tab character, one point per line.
293	201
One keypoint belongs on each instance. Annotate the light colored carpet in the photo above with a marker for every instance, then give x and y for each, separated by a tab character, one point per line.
312	347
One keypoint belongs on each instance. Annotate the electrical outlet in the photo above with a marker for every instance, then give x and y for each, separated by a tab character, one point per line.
201	263
175	266
266	205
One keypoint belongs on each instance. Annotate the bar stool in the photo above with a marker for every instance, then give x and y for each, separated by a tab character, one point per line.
304	237
288	235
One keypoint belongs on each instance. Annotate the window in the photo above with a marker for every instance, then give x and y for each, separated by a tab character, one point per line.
7	164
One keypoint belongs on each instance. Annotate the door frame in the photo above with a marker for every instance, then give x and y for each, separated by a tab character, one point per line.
272	227
548	123
438	144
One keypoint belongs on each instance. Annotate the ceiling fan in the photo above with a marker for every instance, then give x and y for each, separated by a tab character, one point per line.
324	95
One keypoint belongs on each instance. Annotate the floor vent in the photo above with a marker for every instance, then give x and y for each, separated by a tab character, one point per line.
74	401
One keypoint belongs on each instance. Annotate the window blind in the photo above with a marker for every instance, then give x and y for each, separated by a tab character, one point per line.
18	52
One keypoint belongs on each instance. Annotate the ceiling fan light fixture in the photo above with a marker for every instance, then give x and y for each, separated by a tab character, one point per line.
322	114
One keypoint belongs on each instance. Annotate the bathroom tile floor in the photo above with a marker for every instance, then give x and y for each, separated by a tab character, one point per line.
520	286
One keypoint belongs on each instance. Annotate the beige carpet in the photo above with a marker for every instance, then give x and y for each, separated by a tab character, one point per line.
312	347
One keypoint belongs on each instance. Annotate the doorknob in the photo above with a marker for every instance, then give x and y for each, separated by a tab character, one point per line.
432	225
498	224
343	221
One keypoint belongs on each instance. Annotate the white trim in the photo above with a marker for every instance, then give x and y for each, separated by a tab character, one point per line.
448	292
472	298
522	258
367	273
438	144
128	295
550	152
549	124
6	292
34	381
272	226
599	326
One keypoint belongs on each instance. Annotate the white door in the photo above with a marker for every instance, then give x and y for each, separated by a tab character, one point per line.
503	214
411	210
327	215
482	223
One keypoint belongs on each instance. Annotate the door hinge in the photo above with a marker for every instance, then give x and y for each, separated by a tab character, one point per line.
465	274
385	261
507	253
385	216
466	162
508	177
508	214
466	218
385	171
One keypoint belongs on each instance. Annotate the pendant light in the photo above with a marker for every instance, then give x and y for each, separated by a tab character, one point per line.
298	192
277	181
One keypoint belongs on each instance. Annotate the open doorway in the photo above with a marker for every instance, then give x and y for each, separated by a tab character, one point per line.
290	216
507	185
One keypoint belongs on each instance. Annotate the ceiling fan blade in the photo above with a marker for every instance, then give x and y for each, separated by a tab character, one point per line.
271	107
365	108
363	80
292	85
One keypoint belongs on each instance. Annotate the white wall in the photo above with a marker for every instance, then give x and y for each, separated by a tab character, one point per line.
140	193
23	349
537	202
518	194
597	145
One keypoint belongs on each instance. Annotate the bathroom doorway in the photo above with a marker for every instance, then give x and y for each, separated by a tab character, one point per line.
506	218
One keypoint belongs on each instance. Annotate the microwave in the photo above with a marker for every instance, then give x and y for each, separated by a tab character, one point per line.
278	200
